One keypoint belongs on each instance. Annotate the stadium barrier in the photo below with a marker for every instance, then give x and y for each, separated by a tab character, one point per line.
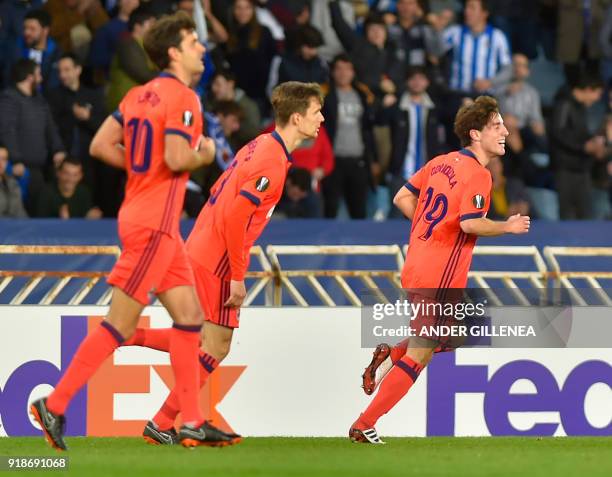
591	280
338	274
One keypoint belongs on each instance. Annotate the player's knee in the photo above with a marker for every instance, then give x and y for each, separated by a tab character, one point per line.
218	347
126	330
192	317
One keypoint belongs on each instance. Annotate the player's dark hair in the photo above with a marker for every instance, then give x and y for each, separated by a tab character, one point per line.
300	178
70	160
139	16
476	116
166	34
41	16
293	97
71	56
22	68
227	108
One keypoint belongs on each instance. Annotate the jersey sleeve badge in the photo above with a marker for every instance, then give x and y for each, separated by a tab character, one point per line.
262	184
478	201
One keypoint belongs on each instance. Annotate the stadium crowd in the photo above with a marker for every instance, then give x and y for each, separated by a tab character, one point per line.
394	72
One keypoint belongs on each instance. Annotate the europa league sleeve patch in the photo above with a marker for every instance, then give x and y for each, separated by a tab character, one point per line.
478	201
262	184
188	118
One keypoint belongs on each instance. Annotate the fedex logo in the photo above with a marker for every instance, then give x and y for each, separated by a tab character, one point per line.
446	379
92	412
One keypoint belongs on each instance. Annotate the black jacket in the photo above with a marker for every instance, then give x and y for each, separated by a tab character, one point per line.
399	123
27	129
371	63
295	68
330	111
61	100
569	133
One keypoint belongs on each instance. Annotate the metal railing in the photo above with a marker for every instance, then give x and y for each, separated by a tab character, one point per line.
366	277
275	277
562	277
62	278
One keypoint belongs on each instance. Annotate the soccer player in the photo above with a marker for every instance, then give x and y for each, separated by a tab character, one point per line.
160	124
240	204
447	201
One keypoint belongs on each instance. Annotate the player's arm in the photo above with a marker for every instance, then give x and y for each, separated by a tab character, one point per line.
107	143
483	227
179	156
236	221
406	201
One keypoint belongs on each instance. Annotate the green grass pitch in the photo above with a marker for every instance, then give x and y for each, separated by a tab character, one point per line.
309	457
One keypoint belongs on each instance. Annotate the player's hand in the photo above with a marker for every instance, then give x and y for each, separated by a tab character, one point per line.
206	148
518	224
237	294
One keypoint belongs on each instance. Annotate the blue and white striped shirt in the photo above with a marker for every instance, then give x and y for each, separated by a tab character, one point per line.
224	153
475	57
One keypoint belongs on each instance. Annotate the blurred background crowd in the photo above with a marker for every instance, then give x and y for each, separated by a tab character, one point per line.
394	73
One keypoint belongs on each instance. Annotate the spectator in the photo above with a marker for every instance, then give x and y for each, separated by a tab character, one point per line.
321	19
417	42
349	115
518	19
304	63
221	123
602	172
11	204
78	111
314	155
521	106
36	45
104	44
67	198
527	156
416	132
131	65
442	13
292	15
12	14
578	27
373	56
605	40
299	201
249	52
576	147
481	54
27	128
223	88
508	195
74	23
